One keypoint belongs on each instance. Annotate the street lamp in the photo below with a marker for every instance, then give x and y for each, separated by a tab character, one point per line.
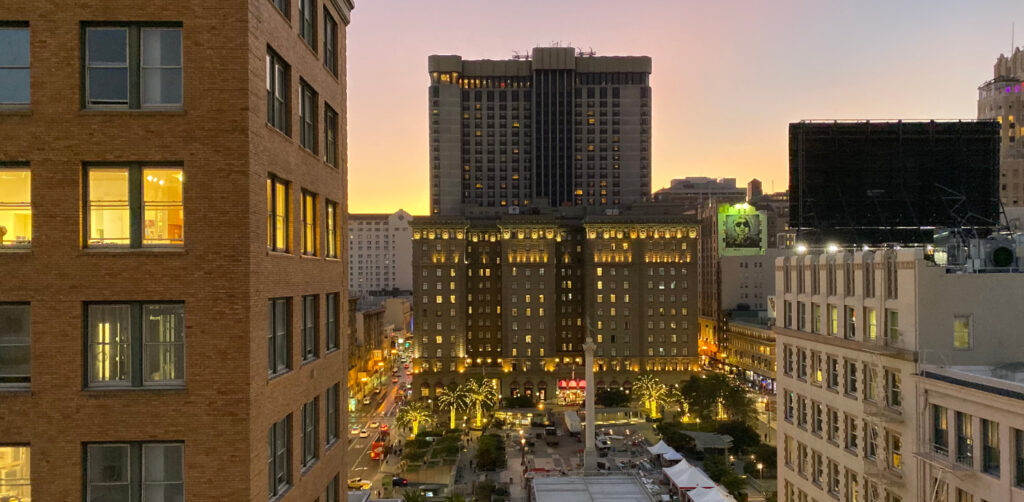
522	446
759	473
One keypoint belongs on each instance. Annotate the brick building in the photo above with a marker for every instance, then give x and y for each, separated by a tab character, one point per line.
172	185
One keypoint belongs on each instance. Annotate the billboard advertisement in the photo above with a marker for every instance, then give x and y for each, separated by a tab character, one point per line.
742	230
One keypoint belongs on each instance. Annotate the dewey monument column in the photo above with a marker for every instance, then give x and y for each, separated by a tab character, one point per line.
590	452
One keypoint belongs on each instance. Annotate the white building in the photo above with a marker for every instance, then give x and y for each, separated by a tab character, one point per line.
379	252
853	330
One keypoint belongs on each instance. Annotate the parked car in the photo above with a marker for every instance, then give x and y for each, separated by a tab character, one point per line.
359	484
397	481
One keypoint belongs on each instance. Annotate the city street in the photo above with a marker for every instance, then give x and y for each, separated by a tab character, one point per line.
382	409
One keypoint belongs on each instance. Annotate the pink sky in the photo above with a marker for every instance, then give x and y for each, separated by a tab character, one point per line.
728	75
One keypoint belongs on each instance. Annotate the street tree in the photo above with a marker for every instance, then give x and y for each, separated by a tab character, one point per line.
413	414
651	392
452	398
479	394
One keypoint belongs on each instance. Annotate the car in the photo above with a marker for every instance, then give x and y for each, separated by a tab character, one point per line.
406	365
359	484
375	424
394	379
366	400
397	481
384	427
354	429
364	433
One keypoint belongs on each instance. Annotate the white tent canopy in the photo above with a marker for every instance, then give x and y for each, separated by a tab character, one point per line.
661	448
687	477
672	456
715	494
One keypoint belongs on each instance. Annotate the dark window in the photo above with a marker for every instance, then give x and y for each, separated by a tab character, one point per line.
278	78
310	246
330	136
279	328
307	22
15	64
15	348
990	447
279	456
940	430
134	206
309	427
131	66
332	321
135	344
330	43
278	208
309	315
1018	452
331	399
307	117
282	5
116	472
331	494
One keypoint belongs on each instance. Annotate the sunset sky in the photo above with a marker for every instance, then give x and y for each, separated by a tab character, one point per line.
728	75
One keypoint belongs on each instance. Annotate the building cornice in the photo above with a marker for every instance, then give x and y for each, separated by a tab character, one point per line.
871	348
344	8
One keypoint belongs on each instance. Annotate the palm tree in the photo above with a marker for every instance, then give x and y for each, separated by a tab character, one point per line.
413	414
413	496
651	392
452	398
480	393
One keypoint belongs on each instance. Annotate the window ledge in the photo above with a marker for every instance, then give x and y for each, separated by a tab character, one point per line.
280	253
136	111
127	250
275	376
16	389
98	391
283	134
330	446
16	250
15	110
309	467
310	257
309	361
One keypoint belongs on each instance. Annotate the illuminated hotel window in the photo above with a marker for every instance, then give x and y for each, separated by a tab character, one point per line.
134	206
15	346
15	206
277	214
135	344
309	224
15	484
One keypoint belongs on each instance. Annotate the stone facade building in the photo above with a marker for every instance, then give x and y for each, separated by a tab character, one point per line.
514	298
379	253
996	100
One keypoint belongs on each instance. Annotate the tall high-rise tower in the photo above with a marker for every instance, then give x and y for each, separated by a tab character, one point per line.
559	128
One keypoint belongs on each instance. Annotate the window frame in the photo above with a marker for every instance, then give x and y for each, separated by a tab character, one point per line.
278	107
331	149
332	239
331	322
136	204
970	331
133	65
330	42
18	26
18	205
273	182
135	466
308	432
136	348
18	381
308	34
310	332
284	7
279	472
332	415
276	337
308	116
310	223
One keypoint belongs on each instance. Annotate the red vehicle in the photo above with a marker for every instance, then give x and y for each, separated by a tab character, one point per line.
384	427
406	365
377	448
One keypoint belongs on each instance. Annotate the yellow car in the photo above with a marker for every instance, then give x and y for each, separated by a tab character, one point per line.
359	484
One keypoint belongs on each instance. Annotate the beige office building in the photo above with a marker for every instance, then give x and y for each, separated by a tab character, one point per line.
379	253
854	330
996	100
